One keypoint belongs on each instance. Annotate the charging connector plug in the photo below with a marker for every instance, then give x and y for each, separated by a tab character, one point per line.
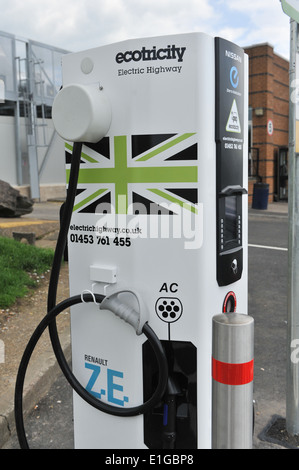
124	311
170	414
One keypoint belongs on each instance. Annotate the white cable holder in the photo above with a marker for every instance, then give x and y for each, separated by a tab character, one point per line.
87	291
125	312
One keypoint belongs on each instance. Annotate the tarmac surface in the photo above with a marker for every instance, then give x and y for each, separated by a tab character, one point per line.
48	398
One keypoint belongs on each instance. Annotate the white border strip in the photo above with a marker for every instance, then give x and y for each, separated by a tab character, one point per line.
269	247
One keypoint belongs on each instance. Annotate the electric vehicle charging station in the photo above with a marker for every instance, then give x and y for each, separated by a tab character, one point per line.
159	224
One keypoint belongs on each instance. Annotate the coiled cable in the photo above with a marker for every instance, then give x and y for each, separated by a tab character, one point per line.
50	321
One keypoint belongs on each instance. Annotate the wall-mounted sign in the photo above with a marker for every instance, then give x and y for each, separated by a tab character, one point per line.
291	8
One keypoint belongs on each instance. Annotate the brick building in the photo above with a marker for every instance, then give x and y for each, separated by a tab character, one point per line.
268	120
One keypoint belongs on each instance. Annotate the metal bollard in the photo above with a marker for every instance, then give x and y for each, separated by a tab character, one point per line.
232	381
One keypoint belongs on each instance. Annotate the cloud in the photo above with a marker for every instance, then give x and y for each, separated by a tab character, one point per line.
265	22
77	24
116	20
83	24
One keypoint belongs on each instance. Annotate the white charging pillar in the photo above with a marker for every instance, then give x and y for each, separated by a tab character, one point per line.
161	210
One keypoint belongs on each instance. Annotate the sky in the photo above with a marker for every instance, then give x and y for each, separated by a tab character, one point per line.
77	25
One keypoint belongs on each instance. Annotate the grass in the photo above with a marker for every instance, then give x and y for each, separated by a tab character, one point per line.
17	262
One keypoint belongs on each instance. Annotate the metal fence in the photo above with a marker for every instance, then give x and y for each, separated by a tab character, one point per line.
30	77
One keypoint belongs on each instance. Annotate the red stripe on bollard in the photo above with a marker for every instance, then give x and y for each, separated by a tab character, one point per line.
232	374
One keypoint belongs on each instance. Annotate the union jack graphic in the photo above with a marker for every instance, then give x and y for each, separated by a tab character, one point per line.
140	171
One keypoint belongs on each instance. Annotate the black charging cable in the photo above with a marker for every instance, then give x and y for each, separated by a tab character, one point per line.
89	398
50	321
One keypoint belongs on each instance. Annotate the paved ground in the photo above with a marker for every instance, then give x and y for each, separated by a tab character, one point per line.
18	323
49	423
267	303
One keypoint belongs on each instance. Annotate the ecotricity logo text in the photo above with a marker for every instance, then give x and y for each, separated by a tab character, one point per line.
170	52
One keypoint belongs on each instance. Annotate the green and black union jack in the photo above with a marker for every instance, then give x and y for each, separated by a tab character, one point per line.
155	172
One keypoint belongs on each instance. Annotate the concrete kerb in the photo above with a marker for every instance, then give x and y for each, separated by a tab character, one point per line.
275	209
41	375
43	369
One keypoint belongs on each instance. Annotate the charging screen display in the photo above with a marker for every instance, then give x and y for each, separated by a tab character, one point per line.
230	220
